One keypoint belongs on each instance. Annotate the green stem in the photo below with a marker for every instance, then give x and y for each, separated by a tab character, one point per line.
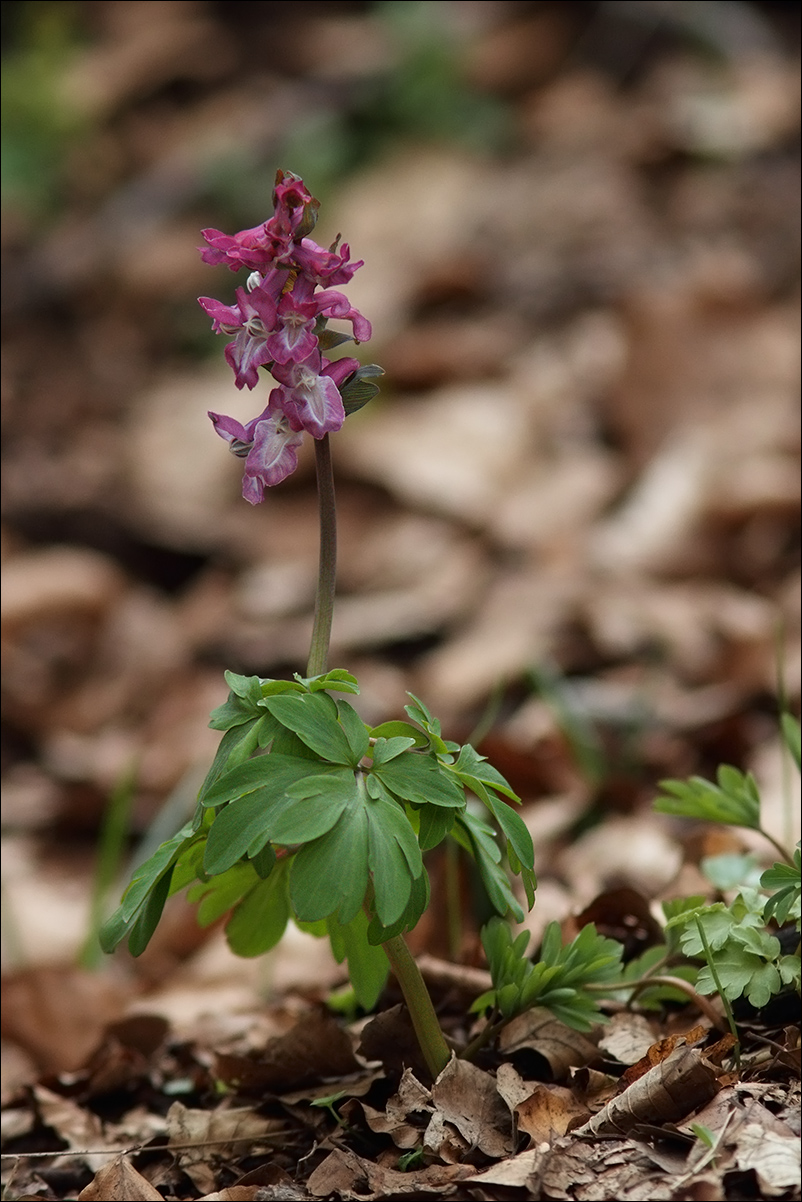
725	1001
324	600
776	845
436	1051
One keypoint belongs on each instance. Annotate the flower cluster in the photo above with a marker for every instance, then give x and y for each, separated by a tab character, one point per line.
278	322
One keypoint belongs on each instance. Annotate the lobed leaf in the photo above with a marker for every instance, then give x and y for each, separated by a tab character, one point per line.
313	718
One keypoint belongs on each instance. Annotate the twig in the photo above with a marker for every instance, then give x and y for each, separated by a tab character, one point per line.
204	1143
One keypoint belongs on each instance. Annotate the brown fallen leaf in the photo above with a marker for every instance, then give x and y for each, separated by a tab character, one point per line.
657	1052
57	1013
516	1172
670	1091
627	1038
561	1047
549	1112
468	1098
344	1174
235	1193
315	1047
396	1119
119	1182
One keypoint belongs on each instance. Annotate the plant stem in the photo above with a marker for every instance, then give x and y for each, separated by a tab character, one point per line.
789	859
436	1051
324	600
725	1001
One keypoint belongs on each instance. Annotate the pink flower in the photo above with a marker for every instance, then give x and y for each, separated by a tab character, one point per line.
311	398
325	266
251	320
268	445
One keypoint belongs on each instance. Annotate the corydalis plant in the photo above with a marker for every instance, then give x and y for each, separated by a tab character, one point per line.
307	812
279	322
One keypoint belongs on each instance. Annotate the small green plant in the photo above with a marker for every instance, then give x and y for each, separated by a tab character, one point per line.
742	956
557	981
721	948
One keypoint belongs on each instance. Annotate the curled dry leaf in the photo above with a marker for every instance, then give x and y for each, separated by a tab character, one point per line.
667	1093
538	1031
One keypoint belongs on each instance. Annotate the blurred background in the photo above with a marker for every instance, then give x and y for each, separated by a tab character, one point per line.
570	520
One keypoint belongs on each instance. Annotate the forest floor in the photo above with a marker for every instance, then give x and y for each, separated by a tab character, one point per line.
570	523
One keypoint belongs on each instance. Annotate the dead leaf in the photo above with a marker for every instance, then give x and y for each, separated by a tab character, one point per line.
468	1098
396	1120
317	1046
119	1182
346	1174
517	1172
549	1112
627	1038
58	1013
78	1127
390	1038
538	1031
658	1051
773	1157
237	1193
667	1093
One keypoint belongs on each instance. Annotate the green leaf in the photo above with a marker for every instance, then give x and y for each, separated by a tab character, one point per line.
368	967
394	858
734	800
259	920
471	766
263	859
385	750
419	897
241	704
435	822
359	388
274	771
312	807
729	870
479	839
331	874
313	718
741	972
277	811
355	730
149	914
717	923
216	897
793	737
337	680
391	730
236	745
515	831
147	878
420	779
